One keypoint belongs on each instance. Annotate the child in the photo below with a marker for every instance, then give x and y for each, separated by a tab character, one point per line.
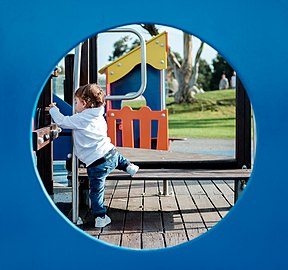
92	146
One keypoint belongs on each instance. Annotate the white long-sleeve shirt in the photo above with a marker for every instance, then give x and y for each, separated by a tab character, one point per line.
89	132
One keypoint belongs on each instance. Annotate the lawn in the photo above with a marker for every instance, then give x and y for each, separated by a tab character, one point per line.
211	115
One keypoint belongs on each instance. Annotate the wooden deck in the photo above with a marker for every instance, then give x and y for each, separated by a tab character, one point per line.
144	219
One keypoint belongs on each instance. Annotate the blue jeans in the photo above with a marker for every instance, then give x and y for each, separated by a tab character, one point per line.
97	176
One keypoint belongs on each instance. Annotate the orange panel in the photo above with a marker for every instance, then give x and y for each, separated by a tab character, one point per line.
145	116
127	127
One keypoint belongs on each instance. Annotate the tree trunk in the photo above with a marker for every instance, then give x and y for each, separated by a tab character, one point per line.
185	72
188	74
195	71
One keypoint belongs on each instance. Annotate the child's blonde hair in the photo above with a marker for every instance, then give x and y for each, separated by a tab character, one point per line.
92	94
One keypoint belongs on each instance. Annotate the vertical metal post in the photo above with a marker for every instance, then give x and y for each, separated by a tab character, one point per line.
75	187
163	89
237	190
243	127
165	188
93	65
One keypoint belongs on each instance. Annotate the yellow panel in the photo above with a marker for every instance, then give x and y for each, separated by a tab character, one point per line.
156	56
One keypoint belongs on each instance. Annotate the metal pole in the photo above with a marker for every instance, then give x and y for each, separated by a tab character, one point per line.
75	188
163	90
142	88
165	188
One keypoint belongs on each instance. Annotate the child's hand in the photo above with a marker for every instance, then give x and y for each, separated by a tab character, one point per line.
50	106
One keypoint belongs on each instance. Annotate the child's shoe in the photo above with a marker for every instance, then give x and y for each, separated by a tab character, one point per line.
132	169
101	222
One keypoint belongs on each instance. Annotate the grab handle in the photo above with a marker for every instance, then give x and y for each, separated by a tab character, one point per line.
142	88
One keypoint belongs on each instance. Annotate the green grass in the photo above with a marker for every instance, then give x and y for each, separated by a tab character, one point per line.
211	115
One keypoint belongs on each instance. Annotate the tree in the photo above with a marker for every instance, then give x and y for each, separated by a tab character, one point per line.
185	73
205	75
120	47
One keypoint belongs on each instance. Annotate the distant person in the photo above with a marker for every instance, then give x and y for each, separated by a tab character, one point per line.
92	146
172	84
233	80
223	84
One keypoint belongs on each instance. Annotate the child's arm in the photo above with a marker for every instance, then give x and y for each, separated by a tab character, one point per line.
69	122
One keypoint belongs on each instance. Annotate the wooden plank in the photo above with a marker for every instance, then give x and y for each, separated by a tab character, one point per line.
173	222
136	196
131	237
193	222
194	188
110	186
111	238
131	240
120	196
152	240
172	219
152	236
206	209
226	191
195	232
231	184
216	198
151	216
174	238
133	222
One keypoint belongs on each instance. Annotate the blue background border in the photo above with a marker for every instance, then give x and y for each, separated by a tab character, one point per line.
35	35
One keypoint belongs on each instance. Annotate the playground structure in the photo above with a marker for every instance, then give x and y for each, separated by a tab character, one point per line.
240	230
156	124
123	75
144	128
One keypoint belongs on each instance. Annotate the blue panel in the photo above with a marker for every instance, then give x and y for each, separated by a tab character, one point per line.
64	107
62	146
131	83
35	235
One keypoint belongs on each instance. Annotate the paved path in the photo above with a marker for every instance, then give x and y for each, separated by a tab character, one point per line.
224	147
